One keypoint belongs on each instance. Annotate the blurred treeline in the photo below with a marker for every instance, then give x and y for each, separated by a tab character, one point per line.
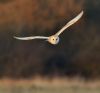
77	54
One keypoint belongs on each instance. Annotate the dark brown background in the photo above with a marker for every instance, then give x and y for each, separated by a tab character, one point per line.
77	54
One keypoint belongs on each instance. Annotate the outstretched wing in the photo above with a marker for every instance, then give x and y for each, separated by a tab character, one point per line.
31	37
70	23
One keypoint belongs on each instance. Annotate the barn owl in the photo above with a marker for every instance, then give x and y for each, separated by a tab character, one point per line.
53	39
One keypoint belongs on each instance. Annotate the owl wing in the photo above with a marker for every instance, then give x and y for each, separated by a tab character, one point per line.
31	37
70	23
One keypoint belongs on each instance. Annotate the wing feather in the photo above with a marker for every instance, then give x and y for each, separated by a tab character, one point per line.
31	37
70	23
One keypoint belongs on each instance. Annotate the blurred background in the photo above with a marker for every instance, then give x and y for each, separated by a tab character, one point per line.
77	54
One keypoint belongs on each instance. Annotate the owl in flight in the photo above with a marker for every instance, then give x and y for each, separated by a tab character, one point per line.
53	39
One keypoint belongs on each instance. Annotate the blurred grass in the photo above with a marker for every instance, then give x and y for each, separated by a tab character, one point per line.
49	86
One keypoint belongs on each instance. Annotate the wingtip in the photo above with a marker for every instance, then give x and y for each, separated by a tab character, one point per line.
15	37
82	12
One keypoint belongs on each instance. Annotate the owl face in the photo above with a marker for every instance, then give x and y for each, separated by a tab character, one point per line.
53	39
